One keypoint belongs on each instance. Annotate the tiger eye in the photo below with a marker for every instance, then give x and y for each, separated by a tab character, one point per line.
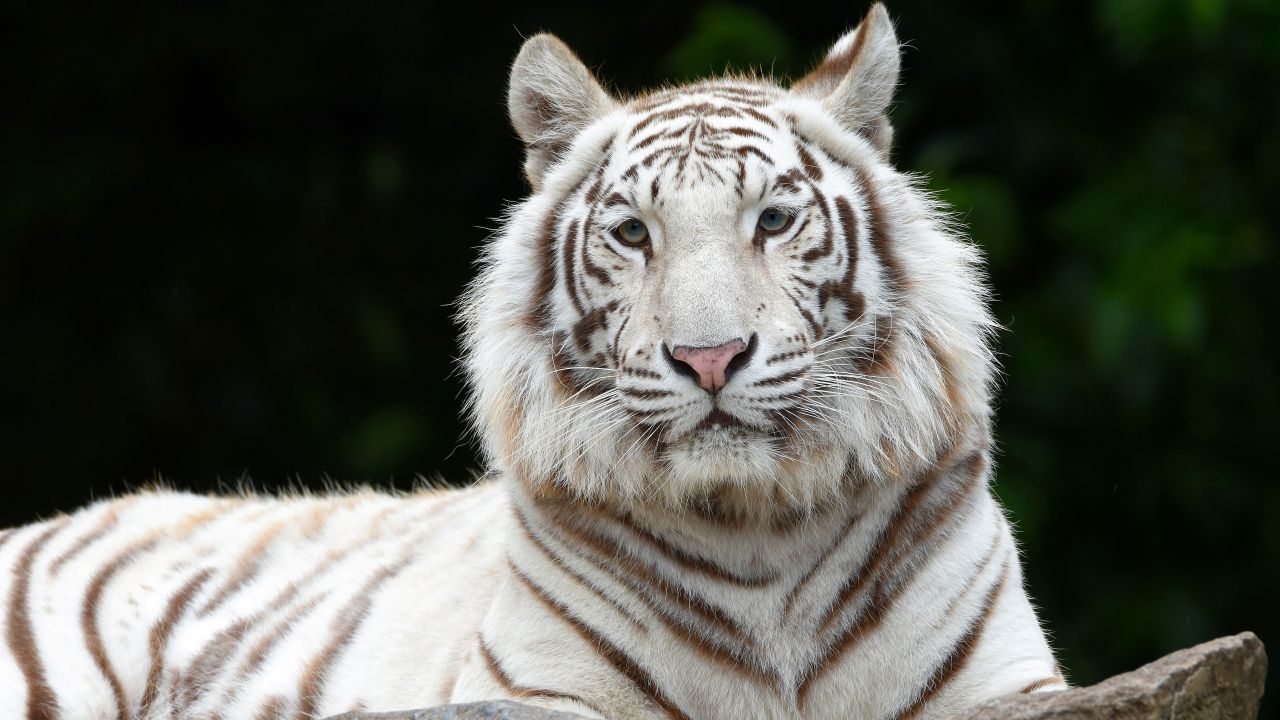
774	220
632	232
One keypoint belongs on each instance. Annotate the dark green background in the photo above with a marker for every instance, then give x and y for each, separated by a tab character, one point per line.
229	239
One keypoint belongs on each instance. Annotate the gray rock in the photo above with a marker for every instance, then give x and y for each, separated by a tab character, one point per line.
1218	680
490	710
1221	679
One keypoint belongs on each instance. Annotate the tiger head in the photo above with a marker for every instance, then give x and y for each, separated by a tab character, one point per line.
722	291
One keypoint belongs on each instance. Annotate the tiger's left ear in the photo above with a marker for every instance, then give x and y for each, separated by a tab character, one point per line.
857	79
552	97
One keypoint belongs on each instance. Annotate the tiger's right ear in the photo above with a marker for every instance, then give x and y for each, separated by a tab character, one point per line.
551	98
857	79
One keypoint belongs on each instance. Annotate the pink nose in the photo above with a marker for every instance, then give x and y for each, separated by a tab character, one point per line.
711	364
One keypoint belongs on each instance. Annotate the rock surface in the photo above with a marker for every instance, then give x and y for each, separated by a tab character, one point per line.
1218	680
491	710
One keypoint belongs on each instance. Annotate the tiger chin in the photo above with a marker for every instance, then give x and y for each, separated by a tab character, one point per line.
732	373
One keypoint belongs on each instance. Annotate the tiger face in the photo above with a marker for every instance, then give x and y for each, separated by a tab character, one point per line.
721	290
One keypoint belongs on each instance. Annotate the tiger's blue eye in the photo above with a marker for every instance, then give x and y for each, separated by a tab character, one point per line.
773	220
632	232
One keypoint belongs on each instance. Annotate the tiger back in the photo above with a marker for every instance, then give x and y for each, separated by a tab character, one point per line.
732	375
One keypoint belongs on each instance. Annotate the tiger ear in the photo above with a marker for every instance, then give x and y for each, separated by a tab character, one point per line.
552	97
857	79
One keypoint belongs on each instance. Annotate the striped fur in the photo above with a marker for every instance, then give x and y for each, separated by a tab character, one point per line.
814	539
168	605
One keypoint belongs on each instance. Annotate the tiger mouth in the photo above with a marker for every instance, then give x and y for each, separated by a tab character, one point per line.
717	419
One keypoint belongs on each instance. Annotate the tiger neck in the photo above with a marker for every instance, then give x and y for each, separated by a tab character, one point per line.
724	537
777	602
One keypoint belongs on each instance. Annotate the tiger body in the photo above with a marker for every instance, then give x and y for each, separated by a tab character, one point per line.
732	376
170	605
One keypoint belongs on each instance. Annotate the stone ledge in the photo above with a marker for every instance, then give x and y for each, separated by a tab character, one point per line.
1222	678
1219	680
489	710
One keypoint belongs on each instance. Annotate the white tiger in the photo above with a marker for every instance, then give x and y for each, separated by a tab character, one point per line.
732	375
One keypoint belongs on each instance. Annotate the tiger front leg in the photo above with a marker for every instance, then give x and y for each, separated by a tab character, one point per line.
484	677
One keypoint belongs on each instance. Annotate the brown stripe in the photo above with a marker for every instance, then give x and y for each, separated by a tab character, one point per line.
779	357
987	559
1039	684
788	181
593	193
211	658
836	542
219	649
588	265
880	240
511	687
563	567
828	232
620	661
625	572
540	308
808	162
690	561
41	702
567	269
781	378
109	520
587	325
89	617
744	151
247	566
947	369
853	300
619	564
745	132
345	627
644	394
760	116
692	111
957	499
446	688
907	557
814	325
912	511
160	632
263	647
959	655
875	357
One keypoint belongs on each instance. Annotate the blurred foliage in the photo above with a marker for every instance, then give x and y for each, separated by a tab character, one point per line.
230	234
